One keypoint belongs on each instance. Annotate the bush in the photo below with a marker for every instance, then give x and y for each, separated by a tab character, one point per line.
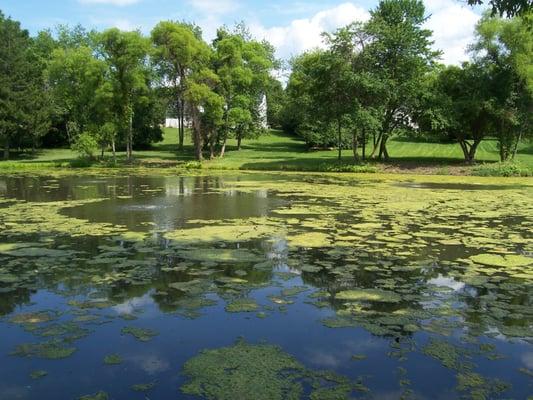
508	168
345	167
85	145
192	165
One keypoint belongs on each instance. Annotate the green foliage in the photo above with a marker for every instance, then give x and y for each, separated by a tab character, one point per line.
509	168
85	145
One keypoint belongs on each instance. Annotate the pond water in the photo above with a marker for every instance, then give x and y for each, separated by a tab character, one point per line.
266	287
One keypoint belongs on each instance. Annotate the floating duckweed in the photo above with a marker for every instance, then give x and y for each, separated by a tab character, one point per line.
215	232
443	351
372	295
38	374
309	239
232	373
32	318
48	350
293	291
220	255
113	359
358	357
496	260
242	305
143	387
144	335
97	396
256	372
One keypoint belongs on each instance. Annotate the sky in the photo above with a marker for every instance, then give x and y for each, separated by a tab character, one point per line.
292	26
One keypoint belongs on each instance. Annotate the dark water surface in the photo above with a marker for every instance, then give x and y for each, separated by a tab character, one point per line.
418	290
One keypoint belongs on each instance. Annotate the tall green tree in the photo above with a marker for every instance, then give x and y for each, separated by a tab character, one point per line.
24	112
459	105
207	110
243	66
75	76
505	48
126	56
179	51
398	54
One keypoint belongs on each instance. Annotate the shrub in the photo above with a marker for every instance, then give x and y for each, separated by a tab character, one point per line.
85	145
346	167
192	165
508	168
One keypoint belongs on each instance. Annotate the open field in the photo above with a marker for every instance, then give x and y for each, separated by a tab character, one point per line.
278	151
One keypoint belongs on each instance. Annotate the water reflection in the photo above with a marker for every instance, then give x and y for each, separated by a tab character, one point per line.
403	285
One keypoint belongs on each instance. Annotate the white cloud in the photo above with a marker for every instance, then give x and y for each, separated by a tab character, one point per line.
110	2
304	34
215	7
453	28
452	25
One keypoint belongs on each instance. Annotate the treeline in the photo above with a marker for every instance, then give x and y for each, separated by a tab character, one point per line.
382	78
99	91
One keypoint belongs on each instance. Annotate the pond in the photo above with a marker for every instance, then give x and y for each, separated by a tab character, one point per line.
257	286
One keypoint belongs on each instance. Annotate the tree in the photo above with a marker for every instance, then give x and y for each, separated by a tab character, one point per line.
397	56
23	107
505	48
207	110
179	50
243	66
510	8
125	54
75	76
451	111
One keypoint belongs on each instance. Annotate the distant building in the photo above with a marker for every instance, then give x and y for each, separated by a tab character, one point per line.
263	112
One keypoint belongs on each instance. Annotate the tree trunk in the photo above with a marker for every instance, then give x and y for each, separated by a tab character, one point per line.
181	123
129	144
212	146
354	146
197	137
515	149
469	150
223	148
376	142
363	145
339	139
239	140
383	153
113	150
6	149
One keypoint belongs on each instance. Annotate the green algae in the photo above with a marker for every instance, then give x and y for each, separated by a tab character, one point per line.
38	374
479	387
48	350
220	255
372	295
143	387
242	305
259	372
232	372
496	260
33	318
143	335
445	352
113	359
96	396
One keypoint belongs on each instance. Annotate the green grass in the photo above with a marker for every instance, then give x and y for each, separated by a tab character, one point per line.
278	151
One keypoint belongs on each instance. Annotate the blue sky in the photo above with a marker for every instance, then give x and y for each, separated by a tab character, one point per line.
292	26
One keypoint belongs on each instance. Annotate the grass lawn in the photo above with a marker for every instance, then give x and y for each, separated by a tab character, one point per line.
278	151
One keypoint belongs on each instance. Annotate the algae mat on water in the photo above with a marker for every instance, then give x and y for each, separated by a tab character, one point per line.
257	372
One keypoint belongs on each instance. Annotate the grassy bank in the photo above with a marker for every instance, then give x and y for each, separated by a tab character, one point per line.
280	152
